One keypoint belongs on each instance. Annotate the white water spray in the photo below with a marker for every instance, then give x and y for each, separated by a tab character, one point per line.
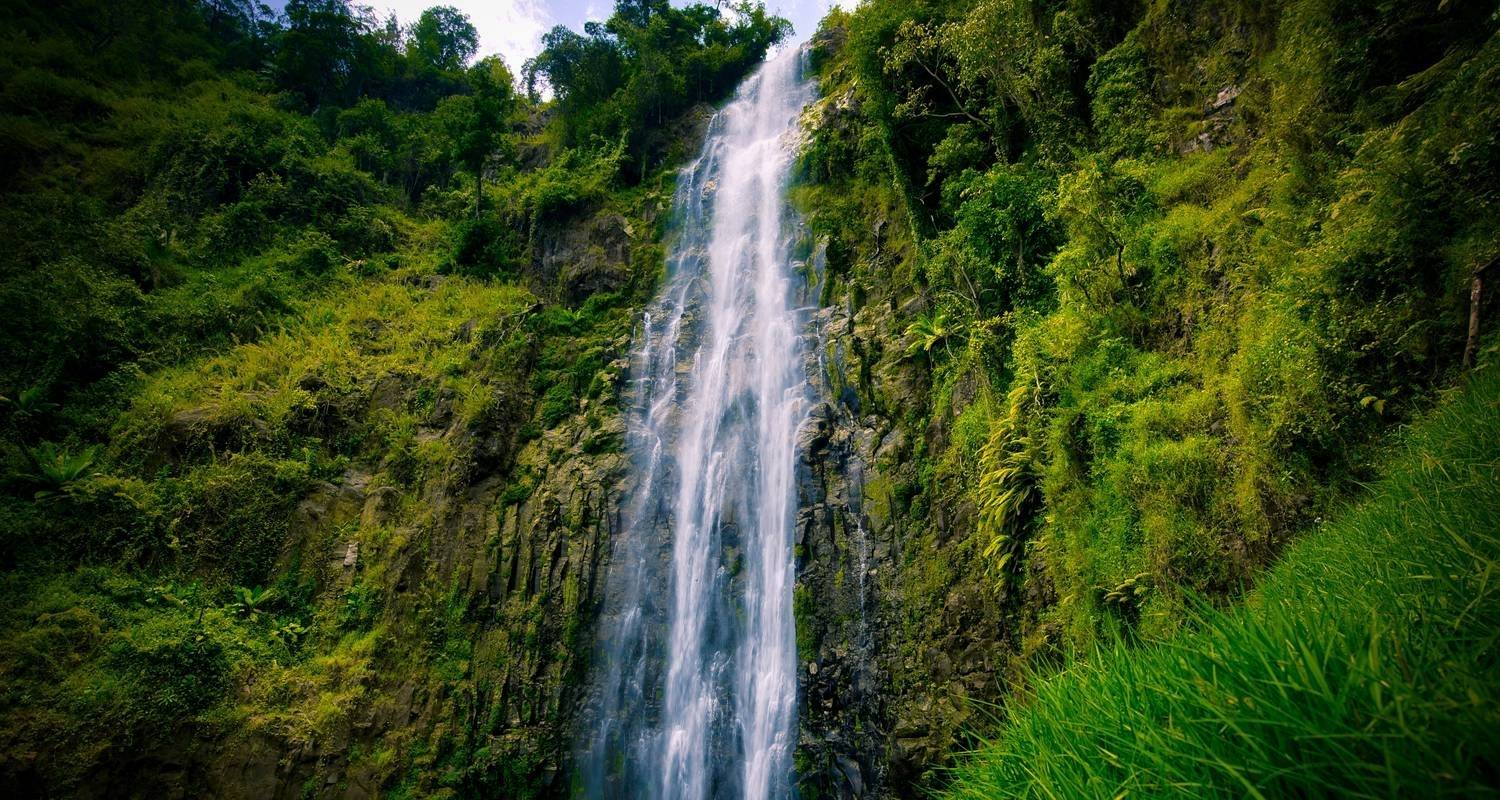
695	695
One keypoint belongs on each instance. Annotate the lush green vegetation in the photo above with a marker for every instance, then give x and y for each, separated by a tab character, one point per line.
276	288
313	337
1186	263
1363	665
624	79
1166	275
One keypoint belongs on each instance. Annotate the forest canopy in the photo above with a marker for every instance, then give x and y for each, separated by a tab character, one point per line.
646	64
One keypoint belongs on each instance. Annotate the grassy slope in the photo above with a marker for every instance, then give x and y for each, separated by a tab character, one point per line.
1365	663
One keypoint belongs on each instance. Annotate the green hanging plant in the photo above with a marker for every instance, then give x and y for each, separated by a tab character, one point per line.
1007	485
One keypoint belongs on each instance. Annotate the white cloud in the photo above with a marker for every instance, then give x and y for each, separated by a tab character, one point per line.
512	28
806	14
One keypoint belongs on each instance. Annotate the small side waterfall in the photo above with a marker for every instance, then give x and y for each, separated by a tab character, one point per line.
695	686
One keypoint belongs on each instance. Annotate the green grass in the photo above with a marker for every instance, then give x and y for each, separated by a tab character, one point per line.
1364	665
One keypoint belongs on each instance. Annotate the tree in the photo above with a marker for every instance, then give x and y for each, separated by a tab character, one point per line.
476	123
243	28
648	63
580	70
442	40
638	13
317	51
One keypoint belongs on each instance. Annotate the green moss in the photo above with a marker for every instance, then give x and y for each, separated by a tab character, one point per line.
557	404
807	622
517	492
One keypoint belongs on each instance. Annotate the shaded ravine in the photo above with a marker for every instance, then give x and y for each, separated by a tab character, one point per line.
695	684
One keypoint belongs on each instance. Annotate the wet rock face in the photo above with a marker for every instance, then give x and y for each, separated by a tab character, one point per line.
849	556
841	702
574	259
898	630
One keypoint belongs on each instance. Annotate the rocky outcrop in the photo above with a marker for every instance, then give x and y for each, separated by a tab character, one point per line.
1217	126
903	636
899	632
574	259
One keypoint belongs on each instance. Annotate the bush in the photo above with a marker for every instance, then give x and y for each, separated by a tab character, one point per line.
484	248
175	668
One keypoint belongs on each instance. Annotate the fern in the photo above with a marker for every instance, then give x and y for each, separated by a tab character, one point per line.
1007	485
54	471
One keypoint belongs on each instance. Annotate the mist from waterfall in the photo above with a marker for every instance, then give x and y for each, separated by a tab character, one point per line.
694	688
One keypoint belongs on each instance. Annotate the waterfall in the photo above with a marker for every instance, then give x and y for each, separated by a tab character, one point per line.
694	688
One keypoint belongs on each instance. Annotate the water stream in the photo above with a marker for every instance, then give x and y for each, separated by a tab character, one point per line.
695	685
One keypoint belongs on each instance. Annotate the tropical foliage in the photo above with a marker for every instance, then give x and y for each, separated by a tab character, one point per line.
1206	258
248	255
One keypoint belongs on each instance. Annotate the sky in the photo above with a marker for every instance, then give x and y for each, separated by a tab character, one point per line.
512	27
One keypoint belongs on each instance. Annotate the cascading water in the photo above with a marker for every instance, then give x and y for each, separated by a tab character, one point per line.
695	688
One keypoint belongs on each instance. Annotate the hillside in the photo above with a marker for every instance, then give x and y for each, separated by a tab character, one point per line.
1121	300
1362	665
314	331
1143	375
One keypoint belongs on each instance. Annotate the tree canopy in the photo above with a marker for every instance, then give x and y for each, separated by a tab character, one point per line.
621	79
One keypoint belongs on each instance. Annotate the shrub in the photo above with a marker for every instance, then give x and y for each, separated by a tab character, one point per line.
484	248
175	668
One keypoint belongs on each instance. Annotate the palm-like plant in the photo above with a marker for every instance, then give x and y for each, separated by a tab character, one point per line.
28	404
928	332
253	602
55	470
